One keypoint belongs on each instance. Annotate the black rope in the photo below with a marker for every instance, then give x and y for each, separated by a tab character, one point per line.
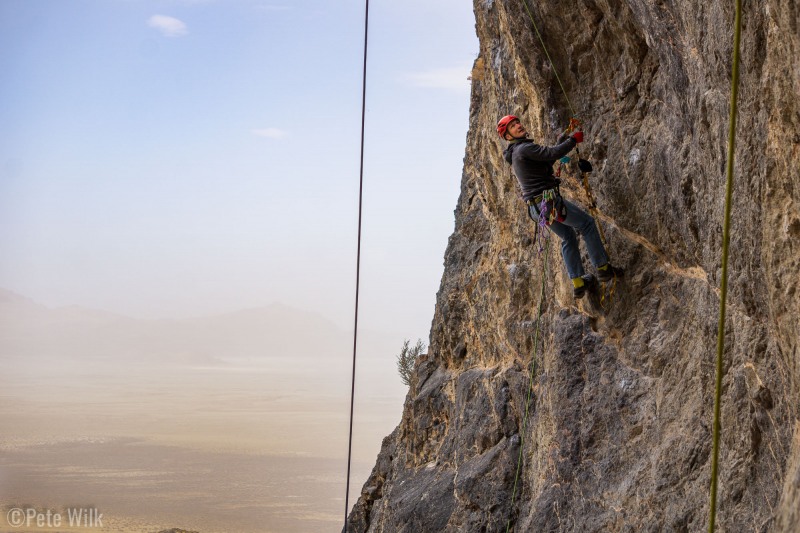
358	262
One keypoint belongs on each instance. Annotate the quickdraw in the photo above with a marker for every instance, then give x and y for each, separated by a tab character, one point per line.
585	167
574	124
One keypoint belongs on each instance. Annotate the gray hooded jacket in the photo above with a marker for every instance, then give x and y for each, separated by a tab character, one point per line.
533	164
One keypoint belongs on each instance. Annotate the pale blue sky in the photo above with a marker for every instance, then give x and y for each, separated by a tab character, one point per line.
176	158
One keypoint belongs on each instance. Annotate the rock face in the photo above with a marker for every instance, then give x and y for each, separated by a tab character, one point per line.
609	413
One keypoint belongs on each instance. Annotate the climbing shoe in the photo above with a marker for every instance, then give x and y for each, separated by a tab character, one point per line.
608	272
582	284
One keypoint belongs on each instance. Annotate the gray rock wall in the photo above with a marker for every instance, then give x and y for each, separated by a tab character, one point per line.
619	416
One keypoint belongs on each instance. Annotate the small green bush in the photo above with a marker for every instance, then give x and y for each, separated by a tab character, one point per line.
405	360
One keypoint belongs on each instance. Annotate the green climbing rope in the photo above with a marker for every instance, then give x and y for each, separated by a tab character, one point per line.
530	382
725	245
541	298
546	53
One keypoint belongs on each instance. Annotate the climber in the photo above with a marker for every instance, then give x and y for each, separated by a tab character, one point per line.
533	166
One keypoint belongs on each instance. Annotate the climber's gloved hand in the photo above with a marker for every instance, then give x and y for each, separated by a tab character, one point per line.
578	136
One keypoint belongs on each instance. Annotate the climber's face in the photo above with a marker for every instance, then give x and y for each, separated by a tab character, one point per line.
516	130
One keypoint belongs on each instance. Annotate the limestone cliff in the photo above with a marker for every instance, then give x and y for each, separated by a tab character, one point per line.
618	436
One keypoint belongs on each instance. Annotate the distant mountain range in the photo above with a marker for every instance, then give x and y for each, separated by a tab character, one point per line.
32	331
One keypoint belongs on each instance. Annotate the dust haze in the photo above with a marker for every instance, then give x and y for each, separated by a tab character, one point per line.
234	423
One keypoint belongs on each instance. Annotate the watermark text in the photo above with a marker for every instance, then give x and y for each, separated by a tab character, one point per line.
48	518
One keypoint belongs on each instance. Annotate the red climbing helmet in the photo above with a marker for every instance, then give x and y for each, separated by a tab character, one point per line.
502	126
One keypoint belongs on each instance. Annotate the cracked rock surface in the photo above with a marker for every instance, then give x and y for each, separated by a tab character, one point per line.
608	412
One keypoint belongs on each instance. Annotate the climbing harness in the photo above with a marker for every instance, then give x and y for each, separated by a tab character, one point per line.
726	236
358	262
550	206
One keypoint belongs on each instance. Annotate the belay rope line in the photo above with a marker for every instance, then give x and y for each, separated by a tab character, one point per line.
541	223
358	263
726	237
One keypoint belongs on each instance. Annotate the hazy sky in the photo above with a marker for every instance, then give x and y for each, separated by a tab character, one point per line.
184	157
